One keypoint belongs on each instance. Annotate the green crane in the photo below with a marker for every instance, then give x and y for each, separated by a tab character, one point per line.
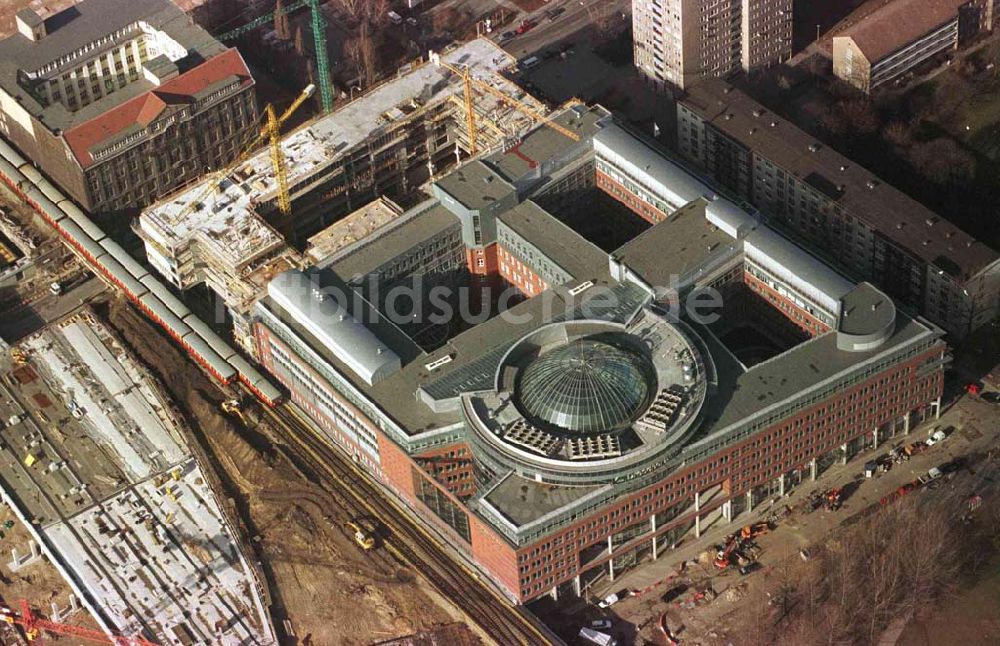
319	44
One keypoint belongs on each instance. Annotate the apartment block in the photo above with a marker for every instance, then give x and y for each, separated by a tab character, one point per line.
902	34
843	210
121	103
680	41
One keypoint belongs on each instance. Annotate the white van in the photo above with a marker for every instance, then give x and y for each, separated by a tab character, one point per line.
528	63
395	18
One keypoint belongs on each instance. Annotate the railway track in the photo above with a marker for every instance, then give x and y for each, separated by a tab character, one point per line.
406	540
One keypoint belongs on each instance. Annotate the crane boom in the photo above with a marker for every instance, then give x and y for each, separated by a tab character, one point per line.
33	626
470	117
268	133
318	26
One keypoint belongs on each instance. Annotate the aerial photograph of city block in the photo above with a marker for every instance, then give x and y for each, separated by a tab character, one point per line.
500	322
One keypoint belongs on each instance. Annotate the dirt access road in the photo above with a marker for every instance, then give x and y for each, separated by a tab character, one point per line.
330	590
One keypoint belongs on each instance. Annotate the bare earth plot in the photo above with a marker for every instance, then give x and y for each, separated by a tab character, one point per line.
332	592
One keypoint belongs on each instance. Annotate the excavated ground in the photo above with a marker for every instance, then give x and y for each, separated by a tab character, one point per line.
331	591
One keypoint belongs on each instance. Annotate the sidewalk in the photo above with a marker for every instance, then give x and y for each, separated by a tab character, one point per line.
800	530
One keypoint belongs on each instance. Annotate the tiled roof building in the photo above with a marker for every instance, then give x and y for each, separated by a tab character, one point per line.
902	34
122	102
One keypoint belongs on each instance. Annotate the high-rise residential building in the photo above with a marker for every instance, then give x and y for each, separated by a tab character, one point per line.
680	41
122	102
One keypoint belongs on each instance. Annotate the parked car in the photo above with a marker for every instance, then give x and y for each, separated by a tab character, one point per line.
614	598
552	14
991	397
525	27
601	624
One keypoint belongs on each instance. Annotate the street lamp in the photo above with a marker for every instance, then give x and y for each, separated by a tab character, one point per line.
354	87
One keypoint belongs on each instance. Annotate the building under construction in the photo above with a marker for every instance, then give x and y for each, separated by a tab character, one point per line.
227	232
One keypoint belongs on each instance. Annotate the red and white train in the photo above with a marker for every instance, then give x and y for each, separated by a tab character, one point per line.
108	259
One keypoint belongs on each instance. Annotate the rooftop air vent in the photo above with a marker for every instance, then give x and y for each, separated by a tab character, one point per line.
813	148
774	124
758	111
437	363
871	185
843	168
729	116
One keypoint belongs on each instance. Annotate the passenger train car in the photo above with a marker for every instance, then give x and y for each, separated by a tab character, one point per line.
86	238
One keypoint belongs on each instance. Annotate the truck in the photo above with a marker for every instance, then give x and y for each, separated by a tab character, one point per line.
596	637
937	436
932	474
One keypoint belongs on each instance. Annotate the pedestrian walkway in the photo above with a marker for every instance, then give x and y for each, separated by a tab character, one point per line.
800	530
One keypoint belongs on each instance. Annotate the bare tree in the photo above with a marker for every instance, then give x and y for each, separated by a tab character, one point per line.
898	134
893	563
300	48
942	160
281	24
362	54
378	10
354	8
860	114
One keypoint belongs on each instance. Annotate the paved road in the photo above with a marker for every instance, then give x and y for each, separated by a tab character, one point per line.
33	316
579	13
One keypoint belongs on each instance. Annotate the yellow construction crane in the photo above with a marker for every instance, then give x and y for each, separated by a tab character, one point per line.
470	114
271	130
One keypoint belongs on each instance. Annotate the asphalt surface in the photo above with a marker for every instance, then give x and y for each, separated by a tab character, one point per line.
31	317
578	15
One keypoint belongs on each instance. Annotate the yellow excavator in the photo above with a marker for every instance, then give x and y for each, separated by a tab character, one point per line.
19	356
233	407
365	539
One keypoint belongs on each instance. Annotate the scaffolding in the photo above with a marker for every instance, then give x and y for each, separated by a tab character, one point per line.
233	237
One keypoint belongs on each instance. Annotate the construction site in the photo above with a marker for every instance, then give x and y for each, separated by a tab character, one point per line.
98	468
243	225
324	587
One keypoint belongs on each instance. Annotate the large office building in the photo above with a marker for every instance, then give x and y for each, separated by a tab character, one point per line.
595	416
902	34
873	230
122	102
678	42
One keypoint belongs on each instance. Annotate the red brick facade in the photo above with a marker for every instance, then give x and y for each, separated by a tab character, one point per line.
452	467
795	314
520	275
641	207
781	448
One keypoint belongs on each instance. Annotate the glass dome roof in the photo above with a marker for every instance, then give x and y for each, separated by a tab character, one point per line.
585	386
